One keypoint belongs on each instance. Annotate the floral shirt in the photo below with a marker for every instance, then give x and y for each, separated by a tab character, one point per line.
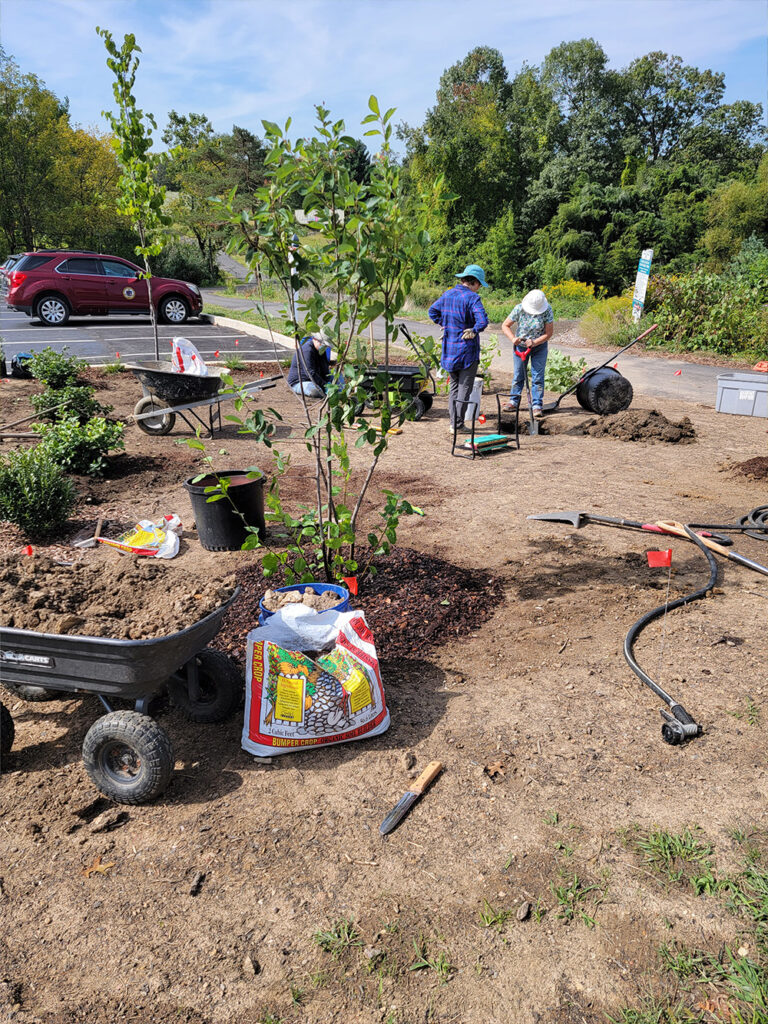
530	325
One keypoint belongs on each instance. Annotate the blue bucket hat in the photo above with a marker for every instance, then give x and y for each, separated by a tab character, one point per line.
472	270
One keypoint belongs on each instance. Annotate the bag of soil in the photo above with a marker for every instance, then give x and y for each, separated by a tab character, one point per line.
294	701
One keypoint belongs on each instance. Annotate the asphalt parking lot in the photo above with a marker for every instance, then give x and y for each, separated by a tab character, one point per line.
100	339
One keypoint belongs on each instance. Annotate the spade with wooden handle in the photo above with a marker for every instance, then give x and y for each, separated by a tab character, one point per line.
410	797
679	530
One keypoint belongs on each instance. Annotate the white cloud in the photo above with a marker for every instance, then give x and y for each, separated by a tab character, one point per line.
243	60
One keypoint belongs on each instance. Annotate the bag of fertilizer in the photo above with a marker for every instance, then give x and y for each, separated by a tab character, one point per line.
294	700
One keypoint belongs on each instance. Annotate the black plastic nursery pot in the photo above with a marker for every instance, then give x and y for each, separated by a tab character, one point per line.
222	524
604	391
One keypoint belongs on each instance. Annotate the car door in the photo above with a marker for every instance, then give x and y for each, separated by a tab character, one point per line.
126	291
82	282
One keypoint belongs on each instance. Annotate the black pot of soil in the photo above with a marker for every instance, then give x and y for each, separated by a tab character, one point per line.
222	523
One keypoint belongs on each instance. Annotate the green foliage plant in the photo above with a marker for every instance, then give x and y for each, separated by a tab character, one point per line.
367	240
80	448
607	321
70	401
339	937
234	362
140	198
34	492
55	369
561	371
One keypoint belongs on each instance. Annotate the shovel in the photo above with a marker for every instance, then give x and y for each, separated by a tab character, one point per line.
579	519
533	425
679	530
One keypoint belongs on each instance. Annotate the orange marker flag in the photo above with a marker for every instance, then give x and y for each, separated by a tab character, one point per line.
351	584
657	559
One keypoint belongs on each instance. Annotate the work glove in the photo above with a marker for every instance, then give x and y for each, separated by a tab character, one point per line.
469	335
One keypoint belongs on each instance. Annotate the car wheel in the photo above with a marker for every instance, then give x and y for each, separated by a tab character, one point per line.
6	732
52	311
155	426
221	688
174	310
128	756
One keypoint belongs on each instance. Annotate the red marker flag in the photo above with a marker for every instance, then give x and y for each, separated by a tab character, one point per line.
656	559
481	418
351	583
237	342
216	354
117	354
677	373
28	550
615	366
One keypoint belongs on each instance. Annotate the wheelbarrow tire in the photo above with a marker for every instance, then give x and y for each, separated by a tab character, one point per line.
221	685
128	757
426	400
7	732
33	694
157	426
418	408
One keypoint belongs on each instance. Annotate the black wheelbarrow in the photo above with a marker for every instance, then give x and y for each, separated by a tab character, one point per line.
404	380
127	755
168	394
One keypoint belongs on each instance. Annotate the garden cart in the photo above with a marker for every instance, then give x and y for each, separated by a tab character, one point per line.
127	755
407	379
168	394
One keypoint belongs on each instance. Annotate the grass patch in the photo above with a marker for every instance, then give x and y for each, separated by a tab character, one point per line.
425	960
668	853
574	898
491	918
341	936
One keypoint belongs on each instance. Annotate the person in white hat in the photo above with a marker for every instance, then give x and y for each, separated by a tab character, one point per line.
535	323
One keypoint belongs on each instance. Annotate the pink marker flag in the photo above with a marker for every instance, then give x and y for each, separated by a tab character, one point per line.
656	559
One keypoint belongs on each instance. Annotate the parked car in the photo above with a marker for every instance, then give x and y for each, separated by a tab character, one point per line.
6	266
53	285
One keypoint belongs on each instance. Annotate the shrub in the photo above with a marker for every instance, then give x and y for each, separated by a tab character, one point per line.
55	369
608	320
422	295
81	448
34	492
570	299
234	362
80	404
561	372
184	261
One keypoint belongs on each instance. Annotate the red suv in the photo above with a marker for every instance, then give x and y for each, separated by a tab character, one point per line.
54	285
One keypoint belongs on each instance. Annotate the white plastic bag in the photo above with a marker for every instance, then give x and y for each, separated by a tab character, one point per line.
186	359
154	540
292	701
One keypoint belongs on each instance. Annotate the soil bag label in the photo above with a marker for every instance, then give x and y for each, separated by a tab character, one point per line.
294	701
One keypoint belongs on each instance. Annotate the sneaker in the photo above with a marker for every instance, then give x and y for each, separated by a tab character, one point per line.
511	407
537	413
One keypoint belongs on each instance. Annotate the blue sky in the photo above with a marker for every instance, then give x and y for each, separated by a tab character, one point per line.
239	61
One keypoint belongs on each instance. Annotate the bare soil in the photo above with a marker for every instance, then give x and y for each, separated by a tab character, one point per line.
209	905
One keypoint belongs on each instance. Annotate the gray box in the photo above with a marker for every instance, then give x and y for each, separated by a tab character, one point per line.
744	394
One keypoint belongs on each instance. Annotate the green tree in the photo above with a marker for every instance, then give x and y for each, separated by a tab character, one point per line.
139	197
736	211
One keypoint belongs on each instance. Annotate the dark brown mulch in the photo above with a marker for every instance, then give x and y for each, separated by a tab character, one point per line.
756	468
413	603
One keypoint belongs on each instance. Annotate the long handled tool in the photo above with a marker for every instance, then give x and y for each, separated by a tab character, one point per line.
579	519
533	424
681	531
588	373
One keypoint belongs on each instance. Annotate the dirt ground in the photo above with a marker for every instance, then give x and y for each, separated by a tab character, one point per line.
222	900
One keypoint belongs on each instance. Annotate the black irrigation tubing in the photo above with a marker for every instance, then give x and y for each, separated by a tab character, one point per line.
680	725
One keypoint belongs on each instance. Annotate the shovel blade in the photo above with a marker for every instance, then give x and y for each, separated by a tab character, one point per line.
574	518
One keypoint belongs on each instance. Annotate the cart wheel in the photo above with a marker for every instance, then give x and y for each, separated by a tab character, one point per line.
159	425
7	732
33	694
426	399
418	408
221	687
128	757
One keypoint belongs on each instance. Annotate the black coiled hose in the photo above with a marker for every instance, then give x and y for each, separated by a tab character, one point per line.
679	725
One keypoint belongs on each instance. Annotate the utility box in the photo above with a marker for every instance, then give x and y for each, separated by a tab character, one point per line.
744	394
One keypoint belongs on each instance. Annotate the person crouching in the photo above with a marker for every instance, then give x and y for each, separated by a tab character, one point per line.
310	371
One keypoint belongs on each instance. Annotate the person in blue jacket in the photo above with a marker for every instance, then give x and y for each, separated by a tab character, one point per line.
461	314
310	369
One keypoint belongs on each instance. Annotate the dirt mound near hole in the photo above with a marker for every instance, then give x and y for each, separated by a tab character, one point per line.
122	597
642	425
755	469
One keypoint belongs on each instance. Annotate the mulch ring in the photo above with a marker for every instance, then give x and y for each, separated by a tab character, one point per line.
413	603
753	469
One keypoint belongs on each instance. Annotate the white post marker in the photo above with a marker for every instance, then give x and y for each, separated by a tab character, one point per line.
641	283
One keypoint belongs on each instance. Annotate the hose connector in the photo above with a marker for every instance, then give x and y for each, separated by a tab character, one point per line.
678	726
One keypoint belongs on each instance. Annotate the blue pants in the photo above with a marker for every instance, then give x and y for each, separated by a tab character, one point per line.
538	361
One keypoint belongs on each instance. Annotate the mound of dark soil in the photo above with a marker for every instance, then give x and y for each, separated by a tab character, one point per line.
641	425
123	597
755	469
414	602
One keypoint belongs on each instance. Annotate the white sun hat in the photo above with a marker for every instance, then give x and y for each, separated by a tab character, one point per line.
535	302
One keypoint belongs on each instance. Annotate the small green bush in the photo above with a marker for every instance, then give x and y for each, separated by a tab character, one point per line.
183	261
81	448
234	362
607	321
34	492
561	372
55	369
80	404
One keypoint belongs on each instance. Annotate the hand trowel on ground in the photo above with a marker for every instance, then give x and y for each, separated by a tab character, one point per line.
410	797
